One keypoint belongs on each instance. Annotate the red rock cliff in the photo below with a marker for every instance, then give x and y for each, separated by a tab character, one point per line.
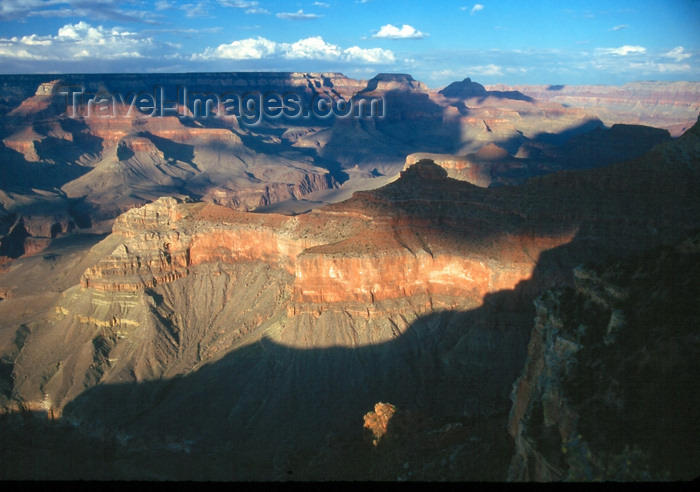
364	251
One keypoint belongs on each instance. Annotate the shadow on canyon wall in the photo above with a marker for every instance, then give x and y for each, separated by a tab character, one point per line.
267	410
263	410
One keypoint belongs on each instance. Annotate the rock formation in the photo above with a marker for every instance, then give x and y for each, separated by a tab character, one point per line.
467	89
373	256
609	386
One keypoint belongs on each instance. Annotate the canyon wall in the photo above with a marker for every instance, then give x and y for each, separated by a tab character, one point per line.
165	240
608	389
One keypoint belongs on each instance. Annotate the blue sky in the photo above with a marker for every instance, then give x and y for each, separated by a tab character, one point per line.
505	41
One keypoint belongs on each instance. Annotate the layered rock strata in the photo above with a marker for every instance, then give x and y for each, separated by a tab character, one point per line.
670	105
376	256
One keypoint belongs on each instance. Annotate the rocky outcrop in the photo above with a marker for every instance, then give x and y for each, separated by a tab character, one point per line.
607	390
43	99
160	244
31	235
115	128
385	82
492	165
247	199
377	421
25	143
457	167
467	89
163	240
324	278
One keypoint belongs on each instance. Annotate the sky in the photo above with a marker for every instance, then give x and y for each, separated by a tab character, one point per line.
436	41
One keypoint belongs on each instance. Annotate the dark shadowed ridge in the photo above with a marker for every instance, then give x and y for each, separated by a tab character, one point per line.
466	89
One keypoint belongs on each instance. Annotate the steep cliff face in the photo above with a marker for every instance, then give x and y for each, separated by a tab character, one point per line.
108	156
161	241
29	222
381	257
145	158
43	99
180	284
421	243
608	389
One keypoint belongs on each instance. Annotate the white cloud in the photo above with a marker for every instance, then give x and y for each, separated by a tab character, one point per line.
390	31
314	48
476	8
184	31
298	15
655	67
250	7
448	73
678	54
199	9
535	66
477	70
34	40
311	48
609	61
238	4
619	28
623	50
355	54
489	69
321	4
244	49
164	5
80	41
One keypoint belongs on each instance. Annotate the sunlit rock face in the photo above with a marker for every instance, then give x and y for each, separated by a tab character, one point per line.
425	234
379	255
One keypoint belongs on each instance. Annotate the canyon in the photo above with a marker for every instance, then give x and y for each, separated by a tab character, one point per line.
67	165
659	104
161	320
